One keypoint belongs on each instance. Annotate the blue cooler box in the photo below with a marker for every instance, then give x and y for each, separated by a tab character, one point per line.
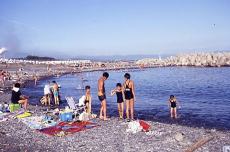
67	116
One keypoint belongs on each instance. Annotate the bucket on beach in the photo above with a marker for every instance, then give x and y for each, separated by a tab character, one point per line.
14	107
67	116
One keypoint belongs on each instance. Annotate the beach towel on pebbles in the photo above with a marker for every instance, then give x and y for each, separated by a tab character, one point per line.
38	122
66	128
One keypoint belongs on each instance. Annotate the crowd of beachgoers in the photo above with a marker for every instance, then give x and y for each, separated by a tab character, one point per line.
112	134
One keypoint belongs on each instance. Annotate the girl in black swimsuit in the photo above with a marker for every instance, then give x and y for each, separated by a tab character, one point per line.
173	104
129	96
128	91
120	100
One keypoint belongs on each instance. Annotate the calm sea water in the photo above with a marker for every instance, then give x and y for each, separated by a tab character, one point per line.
204	93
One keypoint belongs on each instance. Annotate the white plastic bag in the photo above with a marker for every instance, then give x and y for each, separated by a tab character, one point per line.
134	127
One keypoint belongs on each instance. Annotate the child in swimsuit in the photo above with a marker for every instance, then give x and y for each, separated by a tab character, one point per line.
55	93
88	99
120	100
173	103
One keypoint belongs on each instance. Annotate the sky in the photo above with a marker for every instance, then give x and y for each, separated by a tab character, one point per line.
114	27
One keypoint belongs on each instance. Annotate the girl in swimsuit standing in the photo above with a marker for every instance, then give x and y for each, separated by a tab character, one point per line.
129	96
120	101
173	103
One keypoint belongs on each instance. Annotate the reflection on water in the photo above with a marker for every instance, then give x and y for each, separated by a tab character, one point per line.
204	93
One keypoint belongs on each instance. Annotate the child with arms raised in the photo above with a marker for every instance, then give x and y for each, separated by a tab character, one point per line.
120	100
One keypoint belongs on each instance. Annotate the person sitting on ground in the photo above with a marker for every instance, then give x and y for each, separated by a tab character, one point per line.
18	98
120	99
173	103
88	99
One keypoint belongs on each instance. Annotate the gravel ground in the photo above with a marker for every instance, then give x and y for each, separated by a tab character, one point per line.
109	136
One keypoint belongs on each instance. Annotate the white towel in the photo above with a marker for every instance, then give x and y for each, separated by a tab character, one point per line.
82	101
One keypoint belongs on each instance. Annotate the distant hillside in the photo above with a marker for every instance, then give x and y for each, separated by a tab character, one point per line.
38	58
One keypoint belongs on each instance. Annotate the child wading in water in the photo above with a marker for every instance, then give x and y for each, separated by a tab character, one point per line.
120	101
173	103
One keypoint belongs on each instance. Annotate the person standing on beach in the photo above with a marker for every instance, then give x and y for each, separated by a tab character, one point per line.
129	96
47	94
120	101
18	98
102	95
55	93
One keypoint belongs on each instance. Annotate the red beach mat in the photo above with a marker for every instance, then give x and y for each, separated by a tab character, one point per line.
68	128
145	125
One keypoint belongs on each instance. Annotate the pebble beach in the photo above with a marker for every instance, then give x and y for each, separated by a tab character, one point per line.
111	136
107	136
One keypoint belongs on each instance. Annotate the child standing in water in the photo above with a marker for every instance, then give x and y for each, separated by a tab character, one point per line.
173	103
120	101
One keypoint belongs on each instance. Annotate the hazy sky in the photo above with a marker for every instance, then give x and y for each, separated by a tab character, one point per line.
114	27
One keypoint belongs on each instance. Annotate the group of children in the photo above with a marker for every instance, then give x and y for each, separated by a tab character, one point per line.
51	91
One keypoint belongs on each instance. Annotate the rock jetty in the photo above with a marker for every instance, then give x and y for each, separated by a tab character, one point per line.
194	59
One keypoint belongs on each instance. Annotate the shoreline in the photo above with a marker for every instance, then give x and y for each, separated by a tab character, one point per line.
109	136
29	82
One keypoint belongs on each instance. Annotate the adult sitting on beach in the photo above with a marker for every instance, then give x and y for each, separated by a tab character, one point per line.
102	96
129	96
18	98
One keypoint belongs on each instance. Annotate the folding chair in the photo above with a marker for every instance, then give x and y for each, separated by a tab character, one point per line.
73	106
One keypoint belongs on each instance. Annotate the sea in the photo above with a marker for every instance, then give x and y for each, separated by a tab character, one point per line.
203	93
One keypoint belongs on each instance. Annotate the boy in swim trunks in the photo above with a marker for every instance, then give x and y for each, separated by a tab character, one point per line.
102	96
120	100
173	103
